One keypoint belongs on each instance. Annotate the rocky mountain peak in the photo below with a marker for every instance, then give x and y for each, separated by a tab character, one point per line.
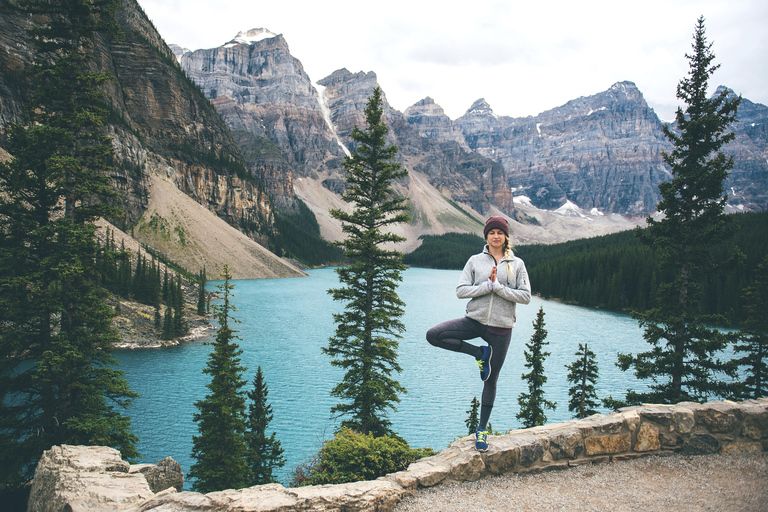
178	51
425	107
480	107
430	120
629	89
251	36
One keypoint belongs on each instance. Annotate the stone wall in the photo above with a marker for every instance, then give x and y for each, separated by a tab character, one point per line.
96	479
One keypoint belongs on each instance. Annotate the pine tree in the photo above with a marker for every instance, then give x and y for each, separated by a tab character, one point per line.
533	403
365	343
264	452
753	335
59	383
683	362
179	322
473	419
201	293
582	373
220	450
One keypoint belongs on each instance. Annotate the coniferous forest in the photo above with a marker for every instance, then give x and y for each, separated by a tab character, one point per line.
617	271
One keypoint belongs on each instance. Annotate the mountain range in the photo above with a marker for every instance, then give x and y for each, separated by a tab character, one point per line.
593	156
240	133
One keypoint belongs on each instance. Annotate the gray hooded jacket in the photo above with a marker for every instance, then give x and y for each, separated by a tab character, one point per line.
494	308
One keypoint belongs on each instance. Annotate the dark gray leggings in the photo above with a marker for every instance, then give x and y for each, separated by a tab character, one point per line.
450	335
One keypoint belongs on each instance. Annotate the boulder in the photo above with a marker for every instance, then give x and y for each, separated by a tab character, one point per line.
84	478
161	476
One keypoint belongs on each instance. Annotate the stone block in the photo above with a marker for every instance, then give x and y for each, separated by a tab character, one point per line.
684	420
166	473
503	457
700	444
718	417
670	439
661	414
755	423
531	453
599	445
609	424
647	438
427	473
741	448
468	468
567	445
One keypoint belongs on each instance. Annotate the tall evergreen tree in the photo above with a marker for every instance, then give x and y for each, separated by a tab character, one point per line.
753	335
201	293
583	373
533	403
473	420
683	362
264	452
58	381
220	450
365	343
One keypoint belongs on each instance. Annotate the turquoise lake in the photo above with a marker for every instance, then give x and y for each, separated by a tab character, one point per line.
284	324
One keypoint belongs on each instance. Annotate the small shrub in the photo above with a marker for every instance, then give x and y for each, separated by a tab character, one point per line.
353	457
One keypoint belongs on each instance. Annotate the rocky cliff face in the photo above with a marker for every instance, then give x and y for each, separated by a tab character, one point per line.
601	152
430	121
261	90
161	125
460	175
258	87
747	184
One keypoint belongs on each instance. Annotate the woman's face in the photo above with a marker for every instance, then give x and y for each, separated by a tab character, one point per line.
496	238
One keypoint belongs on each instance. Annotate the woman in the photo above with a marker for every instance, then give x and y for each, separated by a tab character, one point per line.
494	281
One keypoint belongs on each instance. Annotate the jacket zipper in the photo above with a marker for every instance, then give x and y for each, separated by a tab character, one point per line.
490	304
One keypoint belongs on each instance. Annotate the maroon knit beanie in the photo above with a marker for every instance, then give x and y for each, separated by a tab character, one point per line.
496	223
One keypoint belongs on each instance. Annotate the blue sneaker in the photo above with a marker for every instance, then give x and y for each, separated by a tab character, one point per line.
485	363
481	440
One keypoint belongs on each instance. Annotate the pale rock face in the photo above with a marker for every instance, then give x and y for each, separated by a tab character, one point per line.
431	121
600	152
260	88
84	475
464	176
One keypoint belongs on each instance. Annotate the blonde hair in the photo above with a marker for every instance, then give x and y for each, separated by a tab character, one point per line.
508	255
507	248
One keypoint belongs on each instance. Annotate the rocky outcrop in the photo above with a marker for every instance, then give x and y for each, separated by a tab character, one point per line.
77	478
747	183
258	87
462	176
166	474
160	123
430	121
686	428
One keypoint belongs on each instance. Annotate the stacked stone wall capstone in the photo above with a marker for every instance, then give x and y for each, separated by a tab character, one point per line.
73	478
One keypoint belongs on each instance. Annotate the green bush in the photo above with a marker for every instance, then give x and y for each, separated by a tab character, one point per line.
353	457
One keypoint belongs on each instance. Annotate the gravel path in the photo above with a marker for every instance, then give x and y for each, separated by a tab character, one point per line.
722	483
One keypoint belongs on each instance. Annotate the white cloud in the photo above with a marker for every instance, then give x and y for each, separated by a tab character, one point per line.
522	57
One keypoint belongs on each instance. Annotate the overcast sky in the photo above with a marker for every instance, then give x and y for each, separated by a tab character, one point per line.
522	57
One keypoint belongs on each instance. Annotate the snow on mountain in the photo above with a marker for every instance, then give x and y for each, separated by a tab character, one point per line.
251	36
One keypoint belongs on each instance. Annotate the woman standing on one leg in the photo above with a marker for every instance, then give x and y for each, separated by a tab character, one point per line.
494	281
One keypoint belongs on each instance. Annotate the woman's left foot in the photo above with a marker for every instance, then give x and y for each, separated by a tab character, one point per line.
485	363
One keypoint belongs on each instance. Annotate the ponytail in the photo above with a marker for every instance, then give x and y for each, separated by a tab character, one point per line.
508	256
